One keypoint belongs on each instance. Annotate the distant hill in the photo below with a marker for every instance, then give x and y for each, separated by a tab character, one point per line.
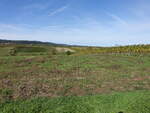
3	41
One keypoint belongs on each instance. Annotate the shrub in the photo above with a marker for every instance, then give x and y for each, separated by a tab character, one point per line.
68	52
30	49
12	52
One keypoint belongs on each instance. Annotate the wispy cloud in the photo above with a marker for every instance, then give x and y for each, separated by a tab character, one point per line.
90	34
59	10
85	30
117	18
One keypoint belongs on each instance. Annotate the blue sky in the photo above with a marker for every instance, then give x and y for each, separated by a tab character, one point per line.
82	22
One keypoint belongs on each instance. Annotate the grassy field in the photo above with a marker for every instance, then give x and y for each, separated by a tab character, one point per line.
131	102
45	81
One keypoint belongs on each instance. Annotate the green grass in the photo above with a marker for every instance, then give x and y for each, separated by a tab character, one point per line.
78	83
62	75
129	102
30	49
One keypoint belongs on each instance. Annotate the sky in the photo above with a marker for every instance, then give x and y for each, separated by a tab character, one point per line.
77	22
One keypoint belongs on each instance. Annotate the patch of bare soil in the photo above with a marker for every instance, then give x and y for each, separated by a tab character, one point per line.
61	49
54	86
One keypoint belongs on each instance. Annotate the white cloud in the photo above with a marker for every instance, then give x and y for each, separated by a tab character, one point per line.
59	10
117	18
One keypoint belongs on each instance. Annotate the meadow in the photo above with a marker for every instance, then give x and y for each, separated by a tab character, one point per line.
41	79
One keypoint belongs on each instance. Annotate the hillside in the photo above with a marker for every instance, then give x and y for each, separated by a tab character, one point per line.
2	41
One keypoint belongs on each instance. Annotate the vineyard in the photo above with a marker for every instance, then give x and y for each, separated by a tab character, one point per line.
132	49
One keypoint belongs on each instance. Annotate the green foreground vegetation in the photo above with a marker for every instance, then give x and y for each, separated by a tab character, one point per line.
131	102
52	79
